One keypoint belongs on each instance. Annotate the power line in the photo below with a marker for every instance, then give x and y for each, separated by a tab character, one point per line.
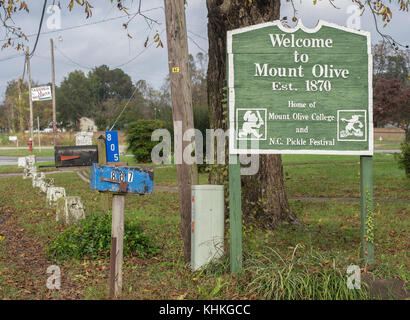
109	11
140	53
12	57
24	68
78	26
72	61
67	63
199	47
68	28
198	35
39	27
90	68
123	109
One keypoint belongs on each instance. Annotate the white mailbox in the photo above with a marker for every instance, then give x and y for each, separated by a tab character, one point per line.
207	224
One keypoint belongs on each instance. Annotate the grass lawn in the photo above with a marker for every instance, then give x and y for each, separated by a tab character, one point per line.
313	256
387	144
15	169
25	152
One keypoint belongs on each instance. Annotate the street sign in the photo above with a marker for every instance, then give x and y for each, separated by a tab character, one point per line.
41	93
122	179
300	90
113	152
12	138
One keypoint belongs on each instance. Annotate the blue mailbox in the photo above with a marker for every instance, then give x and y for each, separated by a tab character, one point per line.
122	179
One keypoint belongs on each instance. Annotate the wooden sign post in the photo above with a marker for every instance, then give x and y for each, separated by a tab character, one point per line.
300	91
119	181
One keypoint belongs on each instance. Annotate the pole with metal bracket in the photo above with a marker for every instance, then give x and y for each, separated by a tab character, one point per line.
367	211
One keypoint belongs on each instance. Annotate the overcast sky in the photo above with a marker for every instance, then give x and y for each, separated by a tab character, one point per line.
96	43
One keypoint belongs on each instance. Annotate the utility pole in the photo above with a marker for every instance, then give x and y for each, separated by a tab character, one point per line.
13	128
21	120
53	92
38	132
181	97
29	96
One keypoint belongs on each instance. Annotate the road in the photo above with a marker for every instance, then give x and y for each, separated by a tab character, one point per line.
26	148
10	161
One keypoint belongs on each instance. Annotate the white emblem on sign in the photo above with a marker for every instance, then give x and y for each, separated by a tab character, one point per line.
351	125
252	124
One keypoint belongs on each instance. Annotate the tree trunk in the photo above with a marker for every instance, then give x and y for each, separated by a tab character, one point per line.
263	194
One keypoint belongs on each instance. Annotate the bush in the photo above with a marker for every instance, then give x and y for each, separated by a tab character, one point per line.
92	237
404	158
139	138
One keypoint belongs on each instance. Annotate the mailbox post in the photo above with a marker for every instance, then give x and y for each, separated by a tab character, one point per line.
117	245
119	181
102	159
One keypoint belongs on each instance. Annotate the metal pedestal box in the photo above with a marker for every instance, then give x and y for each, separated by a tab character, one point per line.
207	224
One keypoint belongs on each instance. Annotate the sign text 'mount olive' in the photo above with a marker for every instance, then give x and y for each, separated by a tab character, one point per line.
300	90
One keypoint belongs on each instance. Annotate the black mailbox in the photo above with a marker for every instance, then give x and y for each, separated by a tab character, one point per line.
73	156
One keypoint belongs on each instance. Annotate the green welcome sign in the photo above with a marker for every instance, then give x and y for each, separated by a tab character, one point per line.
300	90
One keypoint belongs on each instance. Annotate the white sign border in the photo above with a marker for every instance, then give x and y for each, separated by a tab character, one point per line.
231	88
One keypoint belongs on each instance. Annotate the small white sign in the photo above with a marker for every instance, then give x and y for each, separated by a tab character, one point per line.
12	138
84	138
41	93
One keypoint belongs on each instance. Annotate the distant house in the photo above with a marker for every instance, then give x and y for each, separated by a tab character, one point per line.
87	124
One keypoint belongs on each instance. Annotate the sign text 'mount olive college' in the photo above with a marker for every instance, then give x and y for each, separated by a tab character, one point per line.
300	90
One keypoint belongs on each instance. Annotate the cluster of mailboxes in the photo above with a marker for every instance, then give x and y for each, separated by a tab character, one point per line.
121	179
207	234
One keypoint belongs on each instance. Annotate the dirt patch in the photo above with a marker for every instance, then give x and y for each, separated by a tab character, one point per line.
26	263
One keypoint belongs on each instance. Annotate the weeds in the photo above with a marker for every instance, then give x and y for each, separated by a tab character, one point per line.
272	276
92	237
